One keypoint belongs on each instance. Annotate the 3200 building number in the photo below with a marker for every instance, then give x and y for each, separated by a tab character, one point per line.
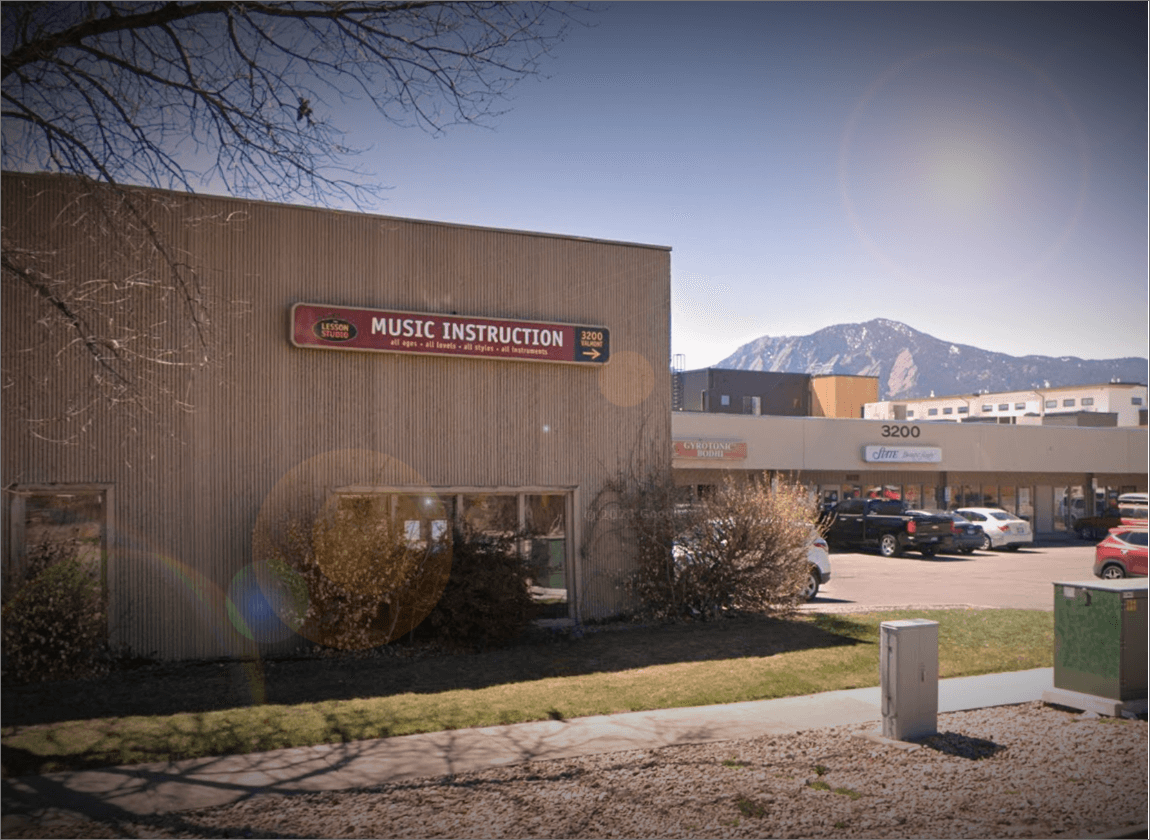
889	431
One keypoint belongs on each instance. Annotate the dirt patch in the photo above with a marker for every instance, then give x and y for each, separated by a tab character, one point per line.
170	688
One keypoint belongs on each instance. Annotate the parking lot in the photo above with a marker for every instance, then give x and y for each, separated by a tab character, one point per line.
1019	579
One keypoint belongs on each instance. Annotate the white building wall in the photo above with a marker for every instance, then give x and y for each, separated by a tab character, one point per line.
1126	401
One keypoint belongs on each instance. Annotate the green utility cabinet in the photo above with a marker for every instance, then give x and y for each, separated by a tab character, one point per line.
1100	637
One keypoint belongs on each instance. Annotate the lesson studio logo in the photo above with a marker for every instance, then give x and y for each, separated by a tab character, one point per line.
334	329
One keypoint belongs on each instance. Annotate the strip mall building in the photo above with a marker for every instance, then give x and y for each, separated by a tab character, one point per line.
1046	474
446	370
439	371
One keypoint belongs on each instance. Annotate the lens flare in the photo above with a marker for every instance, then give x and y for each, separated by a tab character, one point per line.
627	379
351	549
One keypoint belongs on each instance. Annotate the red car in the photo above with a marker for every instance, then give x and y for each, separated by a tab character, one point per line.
1121	554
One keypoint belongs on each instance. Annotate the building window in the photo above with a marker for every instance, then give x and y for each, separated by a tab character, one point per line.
948	410
725	399
1088	400
1004	406
75	516
910	412
1019	406
1068	403
987	408
932	411
1052	403
964	409
1135	401
537	520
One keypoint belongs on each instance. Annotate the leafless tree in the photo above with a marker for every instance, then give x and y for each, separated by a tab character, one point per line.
235	95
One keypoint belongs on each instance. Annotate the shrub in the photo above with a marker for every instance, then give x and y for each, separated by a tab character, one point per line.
743	546
486	601
54	620
349	577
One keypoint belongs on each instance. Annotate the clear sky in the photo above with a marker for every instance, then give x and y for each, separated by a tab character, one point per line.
975	170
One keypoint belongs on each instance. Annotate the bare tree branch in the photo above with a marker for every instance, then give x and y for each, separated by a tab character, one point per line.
238	96
120	91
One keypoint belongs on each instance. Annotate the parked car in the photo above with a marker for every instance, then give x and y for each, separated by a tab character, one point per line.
1098	526
885	524
1132	508
999	528
818	556
964	537
1122	554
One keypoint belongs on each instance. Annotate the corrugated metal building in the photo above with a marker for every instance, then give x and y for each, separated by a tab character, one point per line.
173	491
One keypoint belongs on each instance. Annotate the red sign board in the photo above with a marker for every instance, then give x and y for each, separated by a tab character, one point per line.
719	450
317	325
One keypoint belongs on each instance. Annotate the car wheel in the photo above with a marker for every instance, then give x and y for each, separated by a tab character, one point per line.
888	546
1113	572
929	552
812	587
1084	533
986	544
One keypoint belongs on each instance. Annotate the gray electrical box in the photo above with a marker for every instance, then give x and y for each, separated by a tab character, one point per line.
1100	637
908	667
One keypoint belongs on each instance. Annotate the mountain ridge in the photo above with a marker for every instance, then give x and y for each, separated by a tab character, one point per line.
911	364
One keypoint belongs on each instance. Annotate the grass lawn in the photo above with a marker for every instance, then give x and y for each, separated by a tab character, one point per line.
970	642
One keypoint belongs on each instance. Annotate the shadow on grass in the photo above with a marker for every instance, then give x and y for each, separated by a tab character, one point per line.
173	688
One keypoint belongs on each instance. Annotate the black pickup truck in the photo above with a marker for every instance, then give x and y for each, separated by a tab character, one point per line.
886	525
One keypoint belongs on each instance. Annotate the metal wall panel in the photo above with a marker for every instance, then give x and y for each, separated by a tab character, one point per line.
190	484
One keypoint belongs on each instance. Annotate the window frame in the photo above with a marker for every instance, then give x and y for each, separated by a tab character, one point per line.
15	546
572	538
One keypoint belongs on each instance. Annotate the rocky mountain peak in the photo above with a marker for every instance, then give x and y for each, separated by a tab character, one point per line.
911	364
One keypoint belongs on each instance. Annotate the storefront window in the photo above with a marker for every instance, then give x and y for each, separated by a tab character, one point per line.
989	496
912	495
1061	508
967	495
1007	498
546	523
541	519
489	513
1075	505
425	518
1025	504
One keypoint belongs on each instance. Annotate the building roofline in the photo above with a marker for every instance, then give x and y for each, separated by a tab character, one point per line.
264	202
1052	388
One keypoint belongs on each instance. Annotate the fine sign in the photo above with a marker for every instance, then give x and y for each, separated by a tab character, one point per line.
317	325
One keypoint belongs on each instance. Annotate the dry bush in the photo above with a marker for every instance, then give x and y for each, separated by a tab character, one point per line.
349	577
54	616
742	547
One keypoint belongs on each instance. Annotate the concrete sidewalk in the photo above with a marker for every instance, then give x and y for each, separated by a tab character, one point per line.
125	792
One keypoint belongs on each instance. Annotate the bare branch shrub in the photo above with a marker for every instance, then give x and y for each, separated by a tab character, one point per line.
741	547
54	616
350	578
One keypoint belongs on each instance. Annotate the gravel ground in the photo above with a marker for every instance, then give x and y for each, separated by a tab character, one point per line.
1021	771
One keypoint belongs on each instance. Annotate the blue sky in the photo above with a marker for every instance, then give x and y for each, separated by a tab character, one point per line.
976	170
